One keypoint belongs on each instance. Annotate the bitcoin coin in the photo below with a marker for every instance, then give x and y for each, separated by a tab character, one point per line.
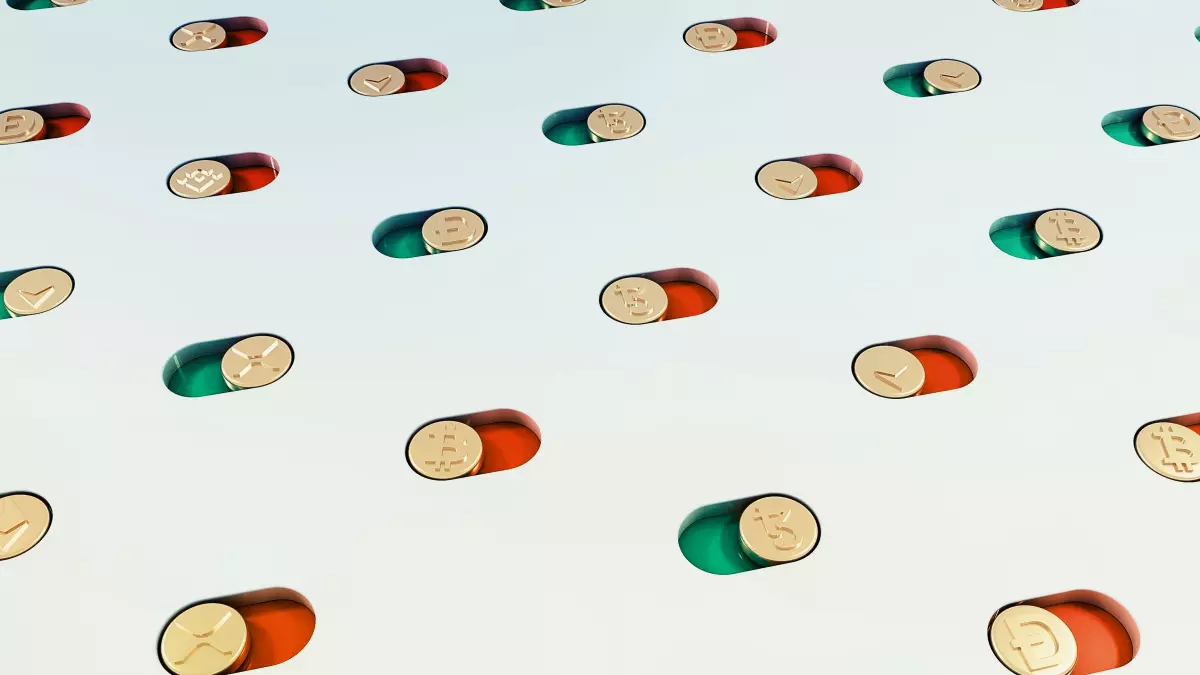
445	450
208	639
377	79
1169	124
1029	640
634	300
711	37
1170	450
1020	5
18	126
37	291
776	530
1061	231
199	37
889	371
24	520
615	122
950	77
561	3
201	178
256	361
452	230
787	179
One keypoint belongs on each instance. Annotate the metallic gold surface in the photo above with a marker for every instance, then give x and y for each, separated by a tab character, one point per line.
199	37
256	361
66	3
1062	231
24	520
1171	450
561	3
377	79
1169	124
18	126
634	300
787	179
615	122
777	530
1029	640
1020	5
37	291
208	639
711	37
445	450
889	371
948	76
201	178
452	230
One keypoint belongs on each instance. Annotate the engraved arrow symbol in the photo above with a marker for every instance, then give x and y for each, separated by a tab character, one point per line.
42	296
953	79
889	378
379	84
792	186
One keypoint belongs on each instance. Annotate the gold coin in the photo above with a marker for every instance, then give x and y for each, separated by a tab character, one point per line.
452	230
1062	231
777	530
889	371
445	450
208	639
711	37
201	178
561	3
66	3
1032	641
786	179
198	37
1171	450
24	520
256	361
377	79
18	126
1169	124
1020	5
950	77
37	291
634	300
614	122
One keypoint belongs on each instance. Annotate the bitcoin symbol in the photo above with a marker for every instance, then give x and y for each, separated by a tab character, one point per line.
1175	455
783	537
449	447
1068	231
1036	643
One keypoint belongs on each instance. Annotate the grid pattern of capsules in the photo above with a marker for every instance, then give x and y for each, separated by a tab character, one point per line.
935	511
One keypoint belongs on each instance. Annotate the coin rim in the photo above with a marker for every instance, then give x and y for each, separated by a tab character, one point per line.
592	132
816	185
607	286
1148	465
996	617
854	362
433	249
58	304
459	420
233	667
770	563
175	32
49	523
237	341
928	84
1055	251
710	23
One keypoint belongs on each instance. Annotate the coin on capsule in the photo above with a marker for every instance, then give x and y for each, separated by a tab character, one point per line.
67	3
18	126
199	37
1061	231
377	79
634	300
775	529
615	122
24	520
1021	5
890	372
786	179
561	3
711	37
256	361
208	639
445	450
1170	124
1030	640
452	230
948	76
37	291
1171	450
201	178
